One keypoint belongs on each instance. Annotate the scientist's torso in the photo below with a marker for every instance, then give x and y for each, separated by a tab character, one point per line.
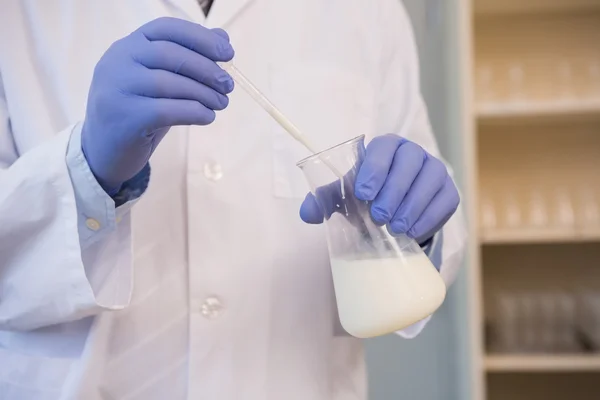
232	296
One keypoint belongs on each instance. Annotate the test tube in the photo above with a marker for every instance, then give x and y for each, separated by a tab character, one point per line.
269	107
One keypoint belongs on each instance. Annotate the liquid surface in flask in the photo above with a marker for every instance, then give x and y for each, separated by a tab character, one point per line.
382	295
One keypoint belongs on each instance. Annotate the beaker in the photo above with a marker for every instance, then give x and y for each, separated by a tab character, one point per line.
382	283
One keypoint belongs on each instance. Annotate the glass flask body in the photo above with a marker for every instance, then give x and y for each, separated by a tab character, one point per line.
382	283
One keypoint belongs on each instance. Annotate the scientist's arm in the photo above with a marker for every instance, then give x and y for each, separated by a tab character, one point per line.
65	236
46	224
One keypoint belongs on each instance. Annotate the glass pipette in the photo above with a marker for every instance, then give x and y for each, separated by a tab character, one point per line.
286	124
266	104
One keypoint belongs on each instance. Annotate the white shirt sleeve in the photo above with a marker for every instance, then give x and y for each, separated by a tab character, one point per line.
403	111
64	255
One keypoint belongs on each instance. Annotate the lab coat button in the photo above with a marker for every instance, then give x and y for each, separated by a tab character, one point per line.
213	171
211	308
92	224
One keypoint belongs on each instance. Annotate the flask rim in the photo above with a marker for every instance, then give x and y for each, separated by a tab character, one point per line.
312	157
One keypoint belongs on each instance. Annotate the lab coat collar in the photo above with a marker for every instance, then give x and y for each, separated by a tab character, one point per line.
222	12
189	9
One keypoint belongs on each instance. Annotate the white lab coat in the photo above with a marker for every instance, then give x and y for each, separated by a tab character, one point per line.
211	287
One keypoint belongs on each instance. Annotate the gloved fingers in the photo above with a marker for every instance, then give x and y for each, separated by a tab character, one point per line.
430	180
310	211
162	84
408	161
179	60
189	35
221	33
376	166
170	112
437	213
327	200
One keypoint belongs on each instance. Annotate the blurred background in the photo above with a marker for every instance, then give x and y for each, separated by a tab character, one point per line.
513	90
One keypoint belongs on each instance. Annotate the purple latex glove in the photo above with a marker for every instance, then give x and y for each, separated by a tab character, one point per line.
410	190
162	75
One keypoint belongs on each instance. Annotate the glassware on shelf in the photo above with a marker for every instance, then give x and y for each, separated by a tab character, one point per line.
588	210
567	340
538	210
547	310
564	213
565	82
542	79
540	322
593	78
507	323
530	322
485	86
489	220
516	83
588	317
512	211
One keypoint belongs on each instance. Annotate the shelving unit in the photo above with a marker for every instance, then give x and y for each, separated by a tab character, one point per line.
532	140
533	236
552	385
537	109
503	7
542	363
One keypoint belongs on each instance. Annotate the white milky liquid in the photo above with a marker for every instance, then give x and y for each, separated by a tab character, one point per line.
380	296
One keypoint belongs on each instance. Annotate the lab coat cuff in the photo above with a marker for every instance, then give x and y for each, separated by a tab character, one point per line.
132	190
97	215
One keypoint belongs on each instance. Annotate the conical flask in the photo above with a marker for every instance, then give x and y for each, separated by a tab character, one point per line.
382	283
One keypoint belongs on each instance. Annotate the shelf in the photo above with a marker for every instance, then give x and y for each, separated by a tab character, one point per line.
535	81
540	109
536	183
541	281
537	267
525	236
537	65
487	7
542	363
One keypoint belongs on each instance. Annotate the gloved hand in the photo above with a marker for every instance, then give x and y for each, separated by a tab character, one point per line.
410	190
163	74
